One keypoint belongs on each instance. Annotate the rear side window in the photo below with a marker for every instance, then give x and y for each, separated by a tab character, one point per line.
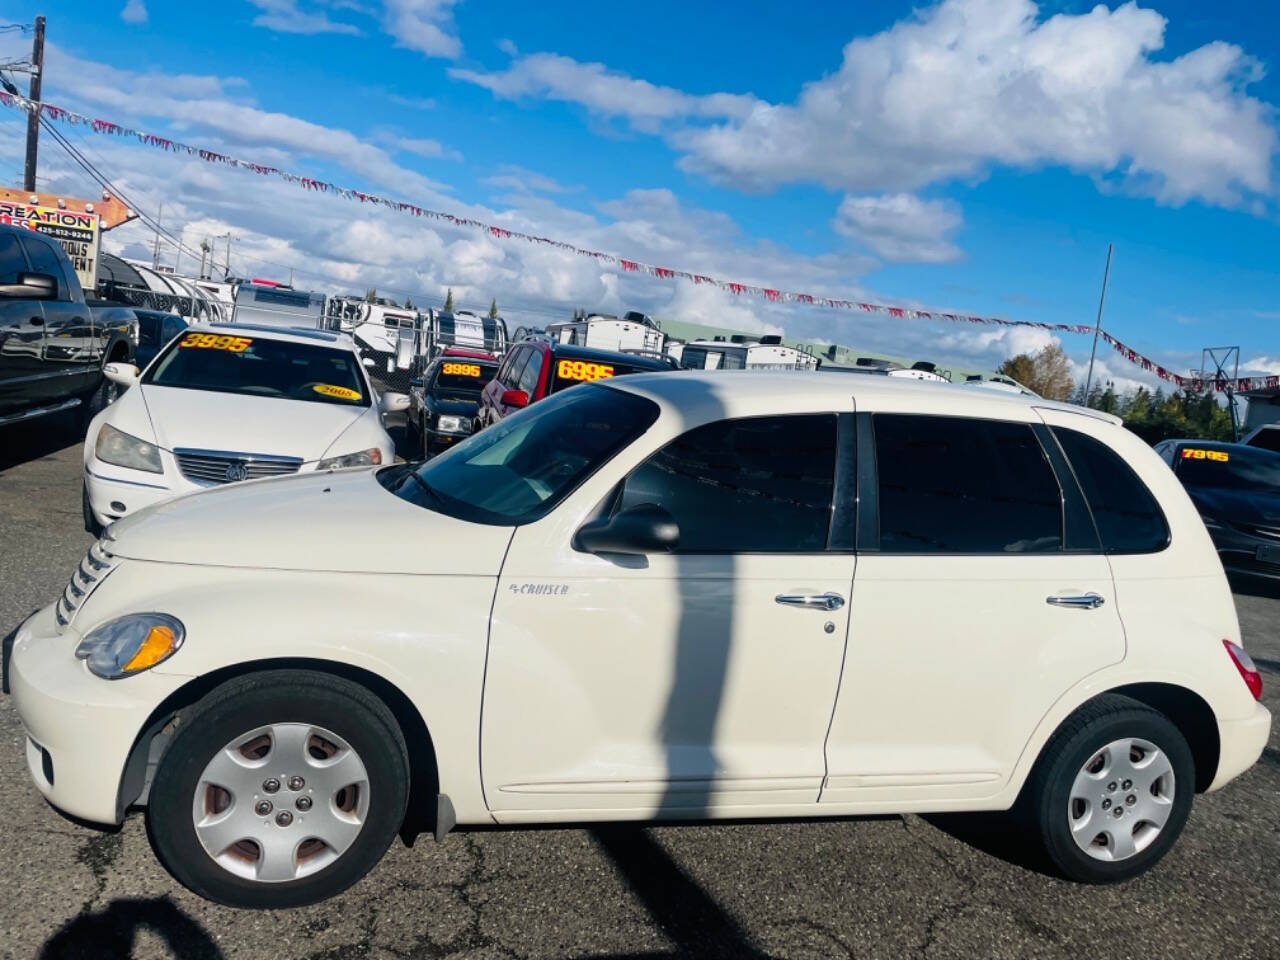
755	485
1128	518
958	485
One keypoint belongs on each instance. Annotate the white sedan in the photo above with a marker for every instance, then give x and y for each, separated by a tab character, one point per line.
222	404
695	596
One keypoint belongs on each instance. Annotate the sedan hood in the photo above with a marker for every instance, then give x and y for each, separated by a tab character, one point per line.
342	521
1238	506
207	420
452	406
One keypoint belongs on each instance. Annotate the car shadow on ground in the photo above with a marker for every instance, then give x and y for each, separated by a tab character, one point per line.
1255	586
35	439
111	932
996	834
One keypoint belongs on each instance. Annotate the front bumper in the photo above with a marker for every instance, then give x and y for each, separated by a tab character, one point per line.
1241	743
111	498
436	440
80	729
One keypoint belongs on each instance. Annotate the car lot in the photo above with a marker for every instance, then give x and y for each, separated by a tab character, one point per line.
900	886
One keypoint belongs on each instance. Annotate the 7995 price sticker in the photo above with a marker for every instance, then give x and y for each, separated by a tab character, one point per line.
214	341
1194	454
583	370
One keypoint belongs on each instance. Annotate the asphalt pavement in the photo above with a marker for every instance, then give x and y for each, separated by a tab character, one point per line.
888	887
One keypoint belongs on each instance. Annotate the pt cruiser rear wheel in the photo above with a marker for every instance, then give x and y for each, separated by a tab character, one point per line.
1112	790
280	789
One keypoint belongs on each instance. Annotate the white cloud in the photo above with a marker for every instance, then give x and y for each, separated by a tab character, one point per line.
423	25
1264	365
512	177
285	16
426	147
958	88
901	227
135	11
507	46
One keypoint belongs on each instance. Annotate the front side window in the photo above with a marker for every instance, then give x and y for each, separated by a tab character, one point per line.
44	260
12	261
1128	518
754	485
254	366
529	375
959	485
518	469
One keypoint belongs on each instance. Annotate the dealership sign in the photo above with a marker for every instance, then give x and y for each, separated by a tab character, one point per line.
76	230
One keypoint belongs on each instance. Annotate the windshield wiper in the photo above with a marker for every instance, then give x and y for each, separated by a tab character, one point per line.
426	487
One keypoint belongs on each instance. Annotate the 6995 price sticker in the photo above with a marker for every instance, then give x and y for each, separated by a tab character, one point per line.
583	370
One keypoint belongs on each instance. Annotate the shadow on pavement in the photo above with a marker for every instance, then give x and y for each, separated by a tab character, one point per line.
686	913
1264	587
994	834
111	932
24	442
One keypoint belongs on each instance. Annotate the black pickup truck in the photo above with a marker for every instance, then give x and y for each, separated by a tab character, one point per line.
53	344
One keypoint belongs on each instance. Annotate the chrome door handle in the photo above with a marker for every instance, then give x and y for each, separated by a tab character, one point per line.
1087	601
816	601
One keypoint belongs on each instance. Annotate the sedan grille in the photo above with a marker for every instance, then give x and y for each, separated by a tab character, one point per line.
212	467
93	569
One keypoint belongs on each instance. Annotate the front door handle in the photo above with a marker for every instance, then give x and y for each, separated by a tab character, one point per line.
1085	601
816	601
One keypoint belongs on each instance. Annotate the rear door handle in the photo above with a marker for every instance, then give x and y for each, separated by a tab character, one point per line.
1084	601
815	601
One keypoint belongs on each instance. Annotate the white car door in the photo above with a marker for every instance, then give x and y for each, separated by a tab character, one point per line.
982	597
628	686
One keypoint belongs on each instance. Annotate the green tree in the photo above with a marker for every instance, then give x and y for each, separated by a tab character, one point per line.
493	309
1047	372
1021	368
448	301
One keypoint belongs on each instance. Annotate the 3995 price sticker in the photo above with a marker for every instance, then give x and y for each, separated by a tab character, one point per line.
461	369
214	341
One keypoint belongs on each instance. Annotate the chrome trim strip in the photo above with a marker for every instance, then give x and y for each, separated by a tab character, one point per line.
131	483
235	455
39	411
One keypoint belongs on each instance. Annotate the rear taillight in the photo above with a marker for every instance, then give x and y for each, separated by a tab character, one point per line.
1248	670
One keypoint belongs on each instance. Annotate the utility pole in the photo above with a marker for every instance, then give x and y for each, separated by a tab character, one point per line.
177	257
155	253
204	257
33	118
227	270
1097	327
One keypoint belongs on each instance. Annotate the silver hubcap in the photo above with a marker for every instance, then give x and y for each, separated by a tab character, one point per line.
1121	799
281	802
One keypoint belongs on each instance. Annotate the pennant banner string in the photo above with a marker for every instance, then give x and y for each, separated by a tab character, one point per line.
1193	384
774	295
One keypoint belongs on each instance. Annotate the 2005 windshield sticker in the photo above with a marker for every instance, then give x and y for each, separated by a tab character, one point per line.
1220	455
331	390
582	370
214	341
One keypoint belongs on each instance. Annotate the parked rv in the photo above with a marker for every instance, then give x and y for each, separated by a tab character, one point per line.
740	353
270	305
634	333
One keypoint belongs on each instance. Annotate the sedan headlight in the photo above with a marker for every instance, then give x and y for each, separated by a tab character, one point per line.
447	424
125	450
363	458
130	644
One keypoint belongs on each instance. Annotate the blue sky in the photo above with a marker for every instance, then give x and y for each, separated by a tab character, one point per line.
976	155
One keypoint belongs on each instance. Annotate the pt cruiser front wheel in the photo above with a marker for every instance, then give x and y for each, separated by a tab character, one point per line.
1111	791
280	789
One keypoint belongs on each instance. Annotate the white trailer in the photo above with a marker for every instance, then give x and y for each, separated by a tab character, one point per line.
767	353
634	333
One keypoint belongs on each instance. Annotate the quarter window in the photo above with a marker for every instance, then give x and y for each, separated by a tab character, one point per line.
756	485
1128	518
957	485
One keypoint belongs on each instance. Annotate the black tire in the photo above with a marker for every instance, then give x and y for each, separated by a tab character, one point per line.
97	400
1045	801
242	705
91	524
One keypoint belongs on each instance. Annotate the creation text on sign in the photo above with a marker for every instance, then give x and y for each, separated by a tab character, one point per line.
76	230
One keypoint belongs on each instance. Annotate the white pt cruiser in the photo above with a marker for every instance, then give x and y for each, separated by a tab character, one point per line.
686	595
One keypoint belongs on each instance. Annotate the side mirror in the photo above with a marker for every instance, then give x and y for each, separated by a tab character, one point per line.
645	528
31	286
368	362
515	398
393	402
125	374
416	382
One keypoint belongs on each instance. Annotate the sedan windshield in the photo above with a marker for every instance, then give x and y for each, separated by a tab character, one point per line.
465	378
518	469
226	363
1240	468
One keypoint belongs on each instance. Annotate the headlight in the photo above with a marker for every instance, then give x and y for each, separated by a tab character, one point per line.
125	450
453	425
130	644
364	458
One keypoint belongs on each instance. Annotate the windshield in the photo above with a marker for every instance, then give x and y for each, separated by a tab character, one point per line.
1256	471
518	469
466	377
569	372
259	367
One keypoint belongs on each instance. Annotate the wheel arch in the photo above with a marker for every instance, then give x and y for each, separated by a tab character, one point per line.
153	739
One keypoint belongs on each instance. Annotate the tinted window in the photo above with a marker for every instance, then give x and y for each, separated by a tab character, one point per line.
518	469
1129	519
570	371
44	260
516	363
1240	468
759	485
149	327
1268	439
529	375
462	375
12	262
955	485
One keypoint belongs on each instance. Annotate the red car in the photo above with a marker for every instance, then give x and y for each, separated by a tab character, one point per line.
535	368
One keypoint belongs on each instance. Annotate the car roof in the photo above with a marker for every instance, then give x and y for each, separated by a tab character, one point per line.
744	393
469	354
323	338
575	352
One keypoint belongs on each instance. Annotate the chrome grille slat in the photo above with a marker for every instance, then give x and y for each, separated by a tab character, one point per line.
82	583
210	467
